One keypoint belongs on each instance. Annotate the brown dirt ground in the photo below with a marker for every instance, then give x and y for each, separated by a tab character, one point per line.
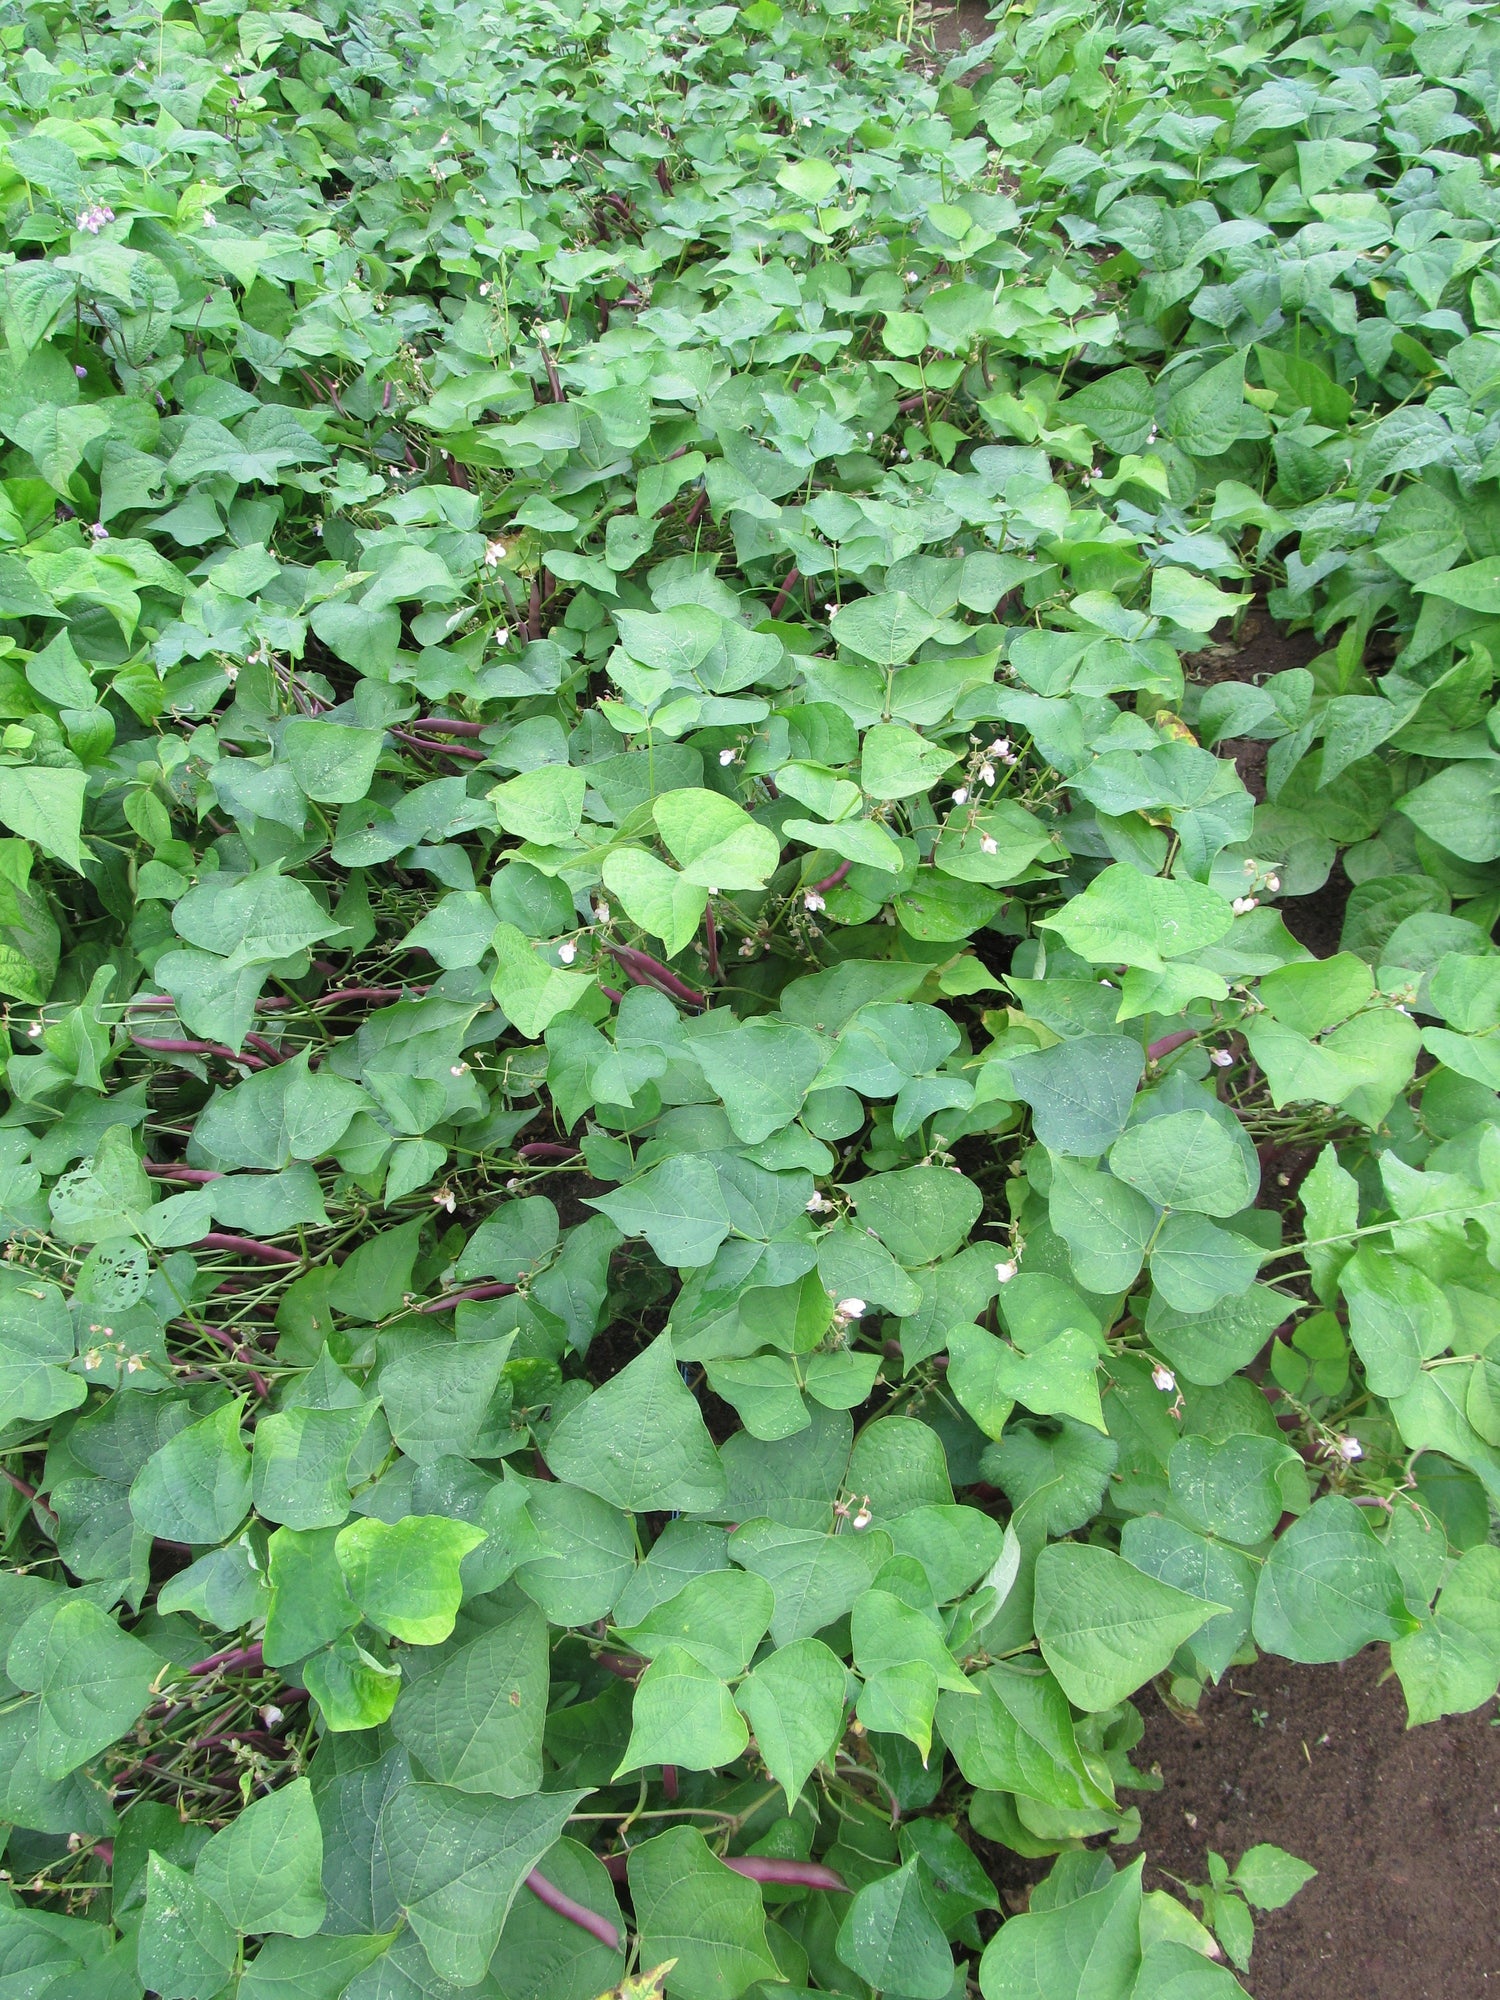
1402	1825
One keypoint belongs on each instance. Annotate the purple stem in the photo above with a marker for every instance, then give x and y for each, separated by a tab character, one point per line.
546	1149
468	1292
232	1656
448	725
193	1176
576	1913
439	749
173	1045
795	1874
247	1246
831	881
1156	1050
778	602
268	1049
650	971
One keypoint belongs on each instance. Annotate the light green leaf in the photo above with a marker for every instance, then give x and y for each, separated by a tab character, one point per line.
186	1949
897	763
197	1487
717	844
544	806
691	1908
1328	1587
92	1678
655	896
1104	1627
1185	1160
683	1713
403	1574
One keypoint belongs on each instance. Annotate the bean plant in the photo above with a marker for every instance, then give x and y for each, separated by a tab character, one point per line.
676	1206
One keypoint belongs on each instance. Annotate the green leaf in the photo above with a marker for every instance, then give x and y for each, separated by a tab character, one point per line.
308	1968
1105	1224
691	1908
920	1213
310	1603
300	1464
1232	1487
890	1937
640	1442
474	1721
1269	1877
1328	1587
45	804
1086	1949
1018	1737
716	843
1185	1160
683	1713
353	1689
719	1619
186	1949
332	762
1195	1264
544	806
656	897
92	1680
281	1114
1126	918
403	1575
886	627
816	1577
1104	1627
265	1869
1080	1093
1398	1318
457	1862
197	1488
548	1957
762	1071
532	992
1192	601
897	763
794	1701
1208	414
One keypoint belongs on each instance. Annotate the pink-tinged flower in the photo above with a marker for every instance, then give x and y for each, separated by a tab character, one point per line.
80	371
93	218
1243	905
99	532
494	554
819	1204
812	900
1220	1058
1164	1379
726	758
1349	1449
444	1198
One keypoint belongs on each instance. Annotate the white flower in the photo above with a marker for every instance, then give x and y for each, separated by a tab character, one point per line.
911	278
444	1198
567	952
484	290
864	1517
961	796
494	553
1349	1449
601	913
819	1204
1164	1379
231	672
851	1309
1220	1058
210	220
1006	1271
134	1365
1273	884
813	900
1243	905
34	1030
270	1715
987	773
458	1069
726	758
988	844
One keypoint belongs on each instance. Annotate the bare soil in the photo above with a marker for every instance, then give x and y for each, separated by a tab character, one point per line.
1402	1825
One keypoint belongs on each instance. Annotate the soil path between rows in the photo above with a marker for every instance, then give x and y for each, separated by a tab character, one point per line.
1402	1825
